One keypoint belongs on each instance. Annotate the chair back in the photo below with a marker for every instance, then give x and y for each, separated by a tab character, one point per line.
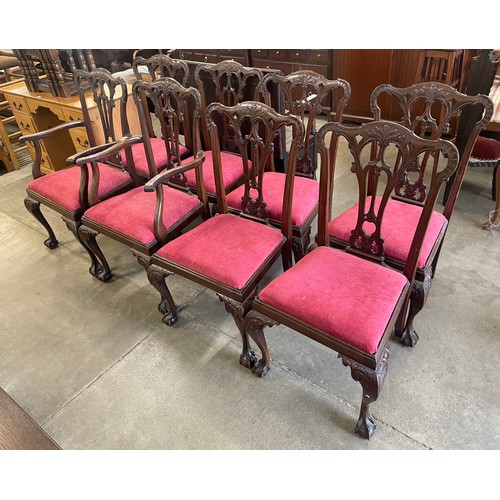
254	127
177	116
433	110
398	150
308	95
161	66
229	83
108	92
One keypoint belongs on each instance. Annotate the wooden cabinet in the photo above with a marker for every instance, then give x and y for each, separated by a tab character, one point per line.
290	60
212	55
39	111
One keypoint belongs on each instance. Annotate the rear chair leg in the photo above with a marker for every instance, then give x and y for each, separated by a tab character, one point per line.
157	276
254	327
371	381
419	294
300	245
33	208
99	267
238	311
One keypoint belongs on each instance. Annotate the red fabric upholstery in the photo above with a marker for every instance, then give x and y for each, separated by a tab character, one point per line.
305	196
398	228
347	297
226	248
232	170
132	213
159	154
62	187
486	149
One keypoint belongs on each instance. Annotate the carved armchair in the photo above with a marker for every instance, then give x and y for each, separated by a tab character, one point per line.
429	110
139	218
160	66
349	300
66	191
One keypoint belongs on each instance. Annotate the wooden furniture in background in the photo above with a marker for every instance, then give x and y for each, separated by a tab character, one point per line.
18	431
213	55
51	70
39	111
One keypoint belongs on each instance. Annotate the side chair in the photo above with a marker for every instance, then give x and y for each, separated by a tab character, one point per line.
305	94
160	66
66	191
348	300
139	218
231	252
432	111
227	82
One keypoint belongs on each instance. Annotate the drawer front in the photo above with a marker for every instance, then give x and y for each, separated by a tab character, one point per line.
17	104
278	54
25	124
285	67
319	57
80	139
71	115
259	54
45	164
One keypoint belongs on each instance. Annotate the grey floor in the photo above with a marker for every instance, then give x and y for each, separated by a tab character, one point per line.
93	364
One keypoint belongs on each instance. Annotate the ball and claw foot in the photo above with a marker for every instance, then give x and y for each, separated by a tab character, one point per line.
168	318
260	369
248	359
365	427
409	338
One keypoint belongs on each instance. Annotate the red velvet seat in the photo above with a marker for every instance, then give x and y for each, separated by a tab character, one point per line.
66	191
230	253
431	110
139	218
233	173
349	300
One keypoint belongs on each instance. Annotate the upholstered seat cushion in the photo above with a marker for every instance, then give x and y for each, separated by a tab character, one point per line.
62	187
485	153
225	248
305	197
347	297
398	228
159	154
132	213
232	168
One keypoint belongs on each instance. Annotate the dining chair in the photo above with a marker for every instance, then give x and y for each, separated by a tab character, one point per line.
348	299
231	252
143	220
229	83
160	66
65	191
305	94
431	110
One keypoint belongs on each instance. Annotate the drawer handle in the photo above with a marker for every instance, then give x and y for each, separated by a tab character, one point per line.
83	144
19	107
25	126
205	59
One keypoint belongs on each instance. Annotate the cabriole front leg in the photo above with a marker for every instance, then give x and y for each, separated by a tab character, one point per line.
418	297
238	311
99	267
33	208
371	381
157	276
255	322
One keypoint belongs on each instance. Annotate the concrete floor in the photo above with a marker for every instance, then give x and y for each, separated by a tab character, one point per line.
93	364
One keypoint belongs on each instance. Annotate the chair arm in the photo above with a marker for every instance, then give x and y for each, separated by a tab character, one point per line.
51	131
103	151
167	174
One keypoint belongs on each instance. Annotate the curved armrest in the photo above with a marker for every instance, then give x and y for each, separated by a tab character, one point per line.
167	174
103	151
51	131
